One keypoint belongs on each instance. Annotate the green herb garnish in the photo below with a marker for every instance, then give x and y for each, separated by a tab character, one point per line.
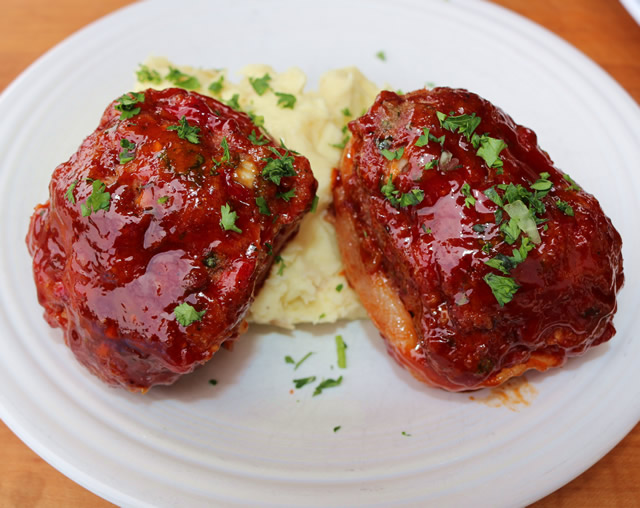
182	80
186	131
263	207
260	85
278	168
98	200
216	86
564	207
286	100
393	154
185	314
69	193
469	200
327	383
128	152
398	200
126	104
314	205
303	381
287	195
341	349
503	288
258	141
146	75
228	219
233	103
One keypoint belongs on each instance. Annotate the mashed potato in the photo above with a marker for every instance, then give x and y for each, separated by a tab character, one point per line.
308	286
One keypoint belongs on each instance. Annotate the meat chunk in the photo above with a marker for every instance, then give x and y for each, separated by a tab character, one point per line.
474	256
160	230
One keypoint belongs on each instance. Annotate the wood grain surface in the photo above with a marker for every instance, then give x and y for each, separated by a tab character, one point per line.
601	29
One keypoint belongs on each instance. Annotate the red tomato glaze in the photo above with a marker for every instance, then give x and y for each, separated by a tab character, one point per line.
112	280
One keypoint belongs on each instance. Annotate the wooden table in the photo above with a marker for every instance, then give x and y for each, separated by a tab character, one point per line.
600	28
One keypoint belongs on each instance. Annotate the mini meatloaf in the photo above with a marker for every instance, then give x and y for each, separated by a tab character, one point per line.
474	256
159	231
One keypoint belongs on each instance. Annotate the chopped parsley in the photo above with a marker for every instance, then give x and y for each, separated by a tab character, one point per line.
163	199
226	156
469	200
126	104
128	152
213	382
278	168
182	80
233	103
507	263
503	288
228	219
269	248
405	434
301	360
98	200
489	149
337	428
431	164
543	185
314	205
439	140
426	230
216	86
288	359
343	143
345	112
381	55
287	195
341	349
423	140
69	194
573	185
303	381
479	228
327	383
280	260
185	314
186	131
286	100
464	124
258	120
393	154
398	200
260	85
146	75
564	207
339	287
263	207
258	141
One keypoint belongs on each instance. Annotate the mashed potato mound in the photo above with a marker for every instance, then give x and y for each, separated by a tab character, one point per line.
308	284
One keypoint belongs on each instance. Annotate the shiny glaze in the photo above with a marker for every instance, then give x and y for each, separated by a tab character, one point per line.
112	280
567	297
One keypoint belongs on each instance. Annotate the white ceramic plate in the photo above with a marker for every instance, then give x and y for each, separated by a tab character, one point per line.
248	440
633	8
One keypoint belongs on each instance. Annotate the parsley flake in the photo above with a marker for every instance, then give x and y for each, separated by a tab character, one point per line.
163	199
302	360
288	359
398	200
263	207
489	149
464	124
98	200
341	349
186	131
213	382
303	381
337	428
339	287
423	140
393	154
345	112
287	195
69	194
228	219
286	100
185	314
314	205
233	103
431	164
280	260
146	75
182	80
564	207
327	383
278	168
469	200
260	85
573	185
503	288
216	86
128	152
258	141
126	104
381	55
